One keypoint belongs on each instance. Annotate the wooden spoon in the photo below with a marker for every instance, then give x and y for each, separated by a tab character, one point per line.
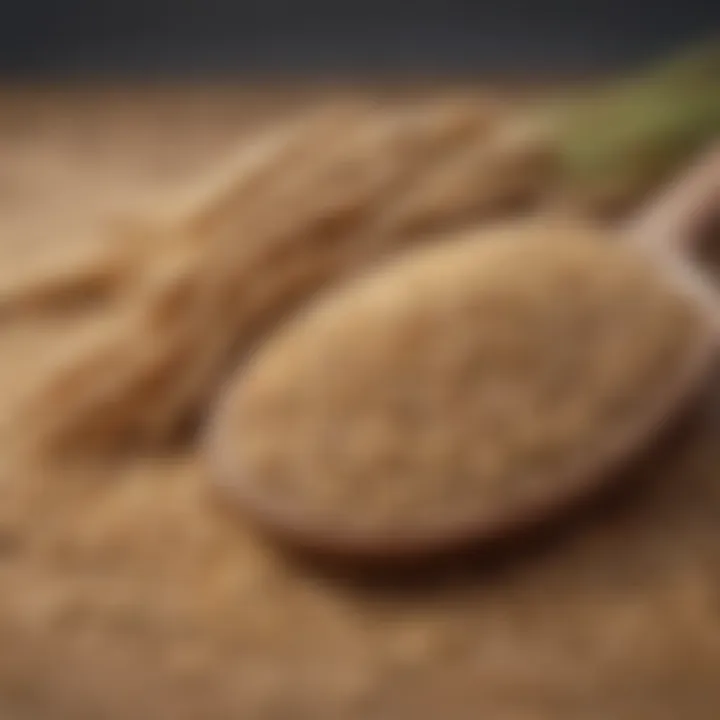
269	476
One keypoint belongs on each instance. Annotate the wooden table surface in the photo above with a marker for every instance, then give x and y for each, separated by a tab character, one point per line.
126	596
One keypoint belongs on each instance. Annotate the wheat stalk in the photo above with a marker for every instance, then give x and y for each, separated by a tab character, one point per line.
298	210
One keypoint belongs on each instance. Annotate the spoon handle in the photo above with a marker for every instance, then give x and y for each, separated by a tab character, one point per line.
671	229
675	219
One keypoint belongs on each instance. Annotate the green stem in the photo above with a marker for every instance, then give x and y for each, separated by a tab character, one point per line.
621	139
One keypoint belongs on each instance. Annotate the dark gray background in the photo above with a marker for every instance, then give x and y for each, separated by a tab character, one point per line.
216	38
